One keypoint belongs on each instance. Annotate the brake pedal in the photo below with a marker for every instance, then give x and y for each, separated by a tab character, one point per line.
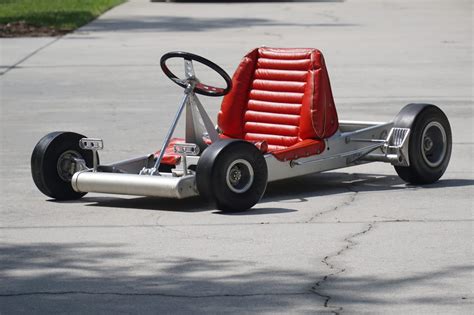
91	144
186	148
94	145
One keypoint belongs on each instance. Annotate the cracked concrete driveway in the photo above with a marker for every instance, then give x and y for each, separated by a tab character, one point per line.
350	241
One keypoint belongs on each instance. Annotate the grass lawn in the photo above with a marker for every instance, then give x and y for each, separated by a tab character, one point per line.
64	15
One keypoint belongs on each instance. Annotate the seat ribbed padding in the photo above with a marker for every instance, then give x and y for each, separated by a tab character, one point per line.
275	99
281	96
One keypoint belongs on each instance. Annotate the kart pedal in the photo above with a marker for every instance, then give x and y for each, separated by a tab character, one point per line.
94	145
186	149
91	144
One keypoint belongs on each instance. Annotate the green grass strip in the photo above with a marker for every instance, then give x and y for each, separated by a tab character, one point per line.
60	14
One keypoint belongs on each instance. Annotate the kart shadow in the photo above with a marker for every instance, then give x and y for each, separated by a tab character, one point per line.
256	211
300	188
194	204
330	183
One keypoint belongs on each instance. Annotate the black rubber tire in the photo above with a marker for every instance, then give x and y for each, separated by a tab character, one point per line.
44	161
212	173
417	117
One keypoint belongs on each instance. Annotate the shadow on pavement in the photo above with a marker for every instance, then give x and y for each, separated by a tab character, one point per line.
314	185
324	184
190	24
376	290
244	1
60	277
194	204
256	211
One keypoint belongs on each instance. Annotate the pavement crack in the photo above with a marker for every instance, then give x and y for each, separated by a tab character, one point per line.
336	270
349	201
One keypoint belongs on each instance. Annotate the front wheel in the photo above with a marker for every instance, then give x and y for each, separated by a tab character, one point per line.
430	143
233	174
54	161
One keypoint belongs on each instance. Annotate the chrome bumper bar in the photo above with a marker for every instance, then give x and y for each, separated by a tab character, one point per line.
131	184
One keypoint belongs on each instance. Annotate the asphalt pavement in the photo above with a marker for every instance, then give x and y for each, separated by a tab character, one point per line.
355	240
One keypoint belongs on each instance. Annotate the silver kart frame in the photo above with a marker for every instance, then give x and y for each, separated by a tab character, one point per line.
355	142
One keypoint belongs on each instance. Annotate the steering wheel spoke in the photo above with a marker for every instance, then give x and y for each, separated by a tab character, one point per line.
208	88
189	69
180	81
199	88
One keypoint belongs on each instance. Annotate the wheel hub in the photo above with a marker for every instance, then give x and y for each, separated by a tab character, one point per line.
66	165
239	176
427	144
235	175
434	144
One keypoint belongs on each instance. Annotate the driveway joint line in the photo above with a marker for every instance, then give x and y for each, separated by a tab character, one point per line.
233	224
15	65
18	294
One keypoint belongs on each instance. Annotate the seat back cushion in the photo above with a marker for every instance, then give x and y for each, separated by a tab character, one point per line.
281	96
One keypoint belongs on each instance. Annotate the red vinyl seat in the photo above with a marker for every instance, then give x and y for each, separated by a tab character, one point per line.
281	96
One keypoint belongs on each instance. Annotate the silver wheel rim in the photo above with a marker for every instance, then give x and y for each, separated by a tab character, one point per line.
66	166
433	144
239	176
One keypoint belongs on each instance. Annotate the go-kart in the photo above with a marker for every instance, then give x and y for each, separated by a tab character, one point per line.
277	120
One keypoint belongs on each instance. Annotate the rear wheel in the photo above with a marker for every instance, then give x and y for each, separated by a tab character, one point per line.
233	174
430	143
53	162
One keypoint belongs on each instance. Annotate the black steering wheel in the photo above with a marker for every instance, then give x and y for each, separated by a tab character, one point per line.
189	72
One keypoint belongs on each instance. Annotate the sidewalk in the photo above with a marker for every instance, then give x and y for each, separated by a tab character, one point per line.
356	240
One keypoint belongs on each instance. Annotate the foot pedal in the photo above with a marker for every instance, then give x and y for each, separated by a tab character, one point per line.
186	149
94	145
91	144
